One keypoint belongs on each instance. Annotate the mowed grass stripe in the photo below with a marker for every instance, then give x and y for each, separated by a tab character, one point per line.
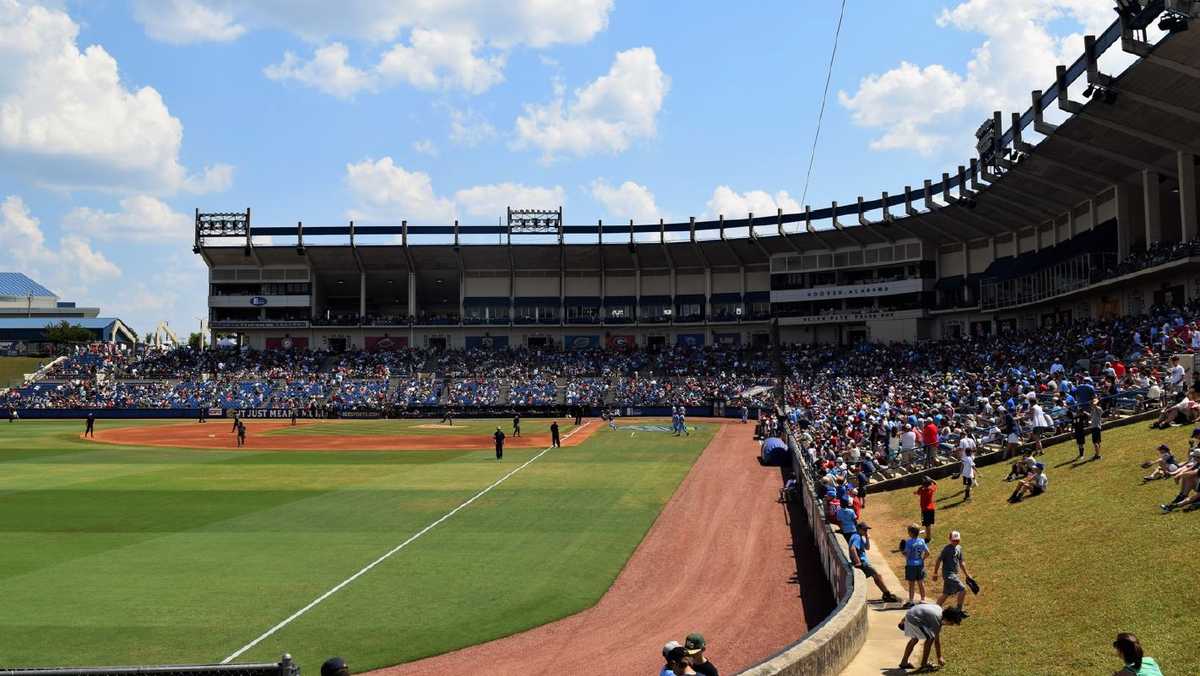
543	545
1063	572
257	534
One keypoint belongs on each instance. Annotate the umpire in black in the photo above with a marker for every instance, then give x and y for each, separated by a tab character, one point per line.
90	429
554	441
499	436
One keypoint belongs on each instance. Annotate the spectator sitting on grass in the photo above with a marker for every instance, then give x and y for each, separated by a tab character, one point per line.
1022	468
1034	484
915	552
1136	663
1163	465
859	544
1184	412
1187	476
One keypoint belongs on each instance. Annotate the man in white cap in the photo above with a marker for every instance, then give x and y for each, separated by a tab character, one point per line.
666	651
948	563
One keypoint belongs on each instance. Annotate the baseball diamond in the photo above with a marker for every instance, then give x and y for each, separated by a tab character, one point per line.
947	426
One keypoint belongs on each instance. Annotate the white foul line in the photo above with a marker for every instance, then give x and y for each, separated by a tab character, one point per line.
338	587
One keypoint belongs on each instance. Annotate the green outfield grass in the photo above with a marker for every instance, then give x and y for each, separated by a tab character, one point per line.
483	427
120	555
13	369
1063	572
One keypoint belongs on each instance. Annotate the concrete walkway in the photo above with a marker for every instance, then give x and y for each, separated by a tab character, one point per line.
885	643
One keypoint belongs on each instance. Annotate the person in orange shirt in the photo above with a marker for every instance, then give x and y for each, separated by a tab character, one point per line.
928	507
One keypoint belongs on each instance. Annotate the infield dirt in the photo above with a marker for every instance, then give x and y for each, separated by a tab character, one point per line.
217	435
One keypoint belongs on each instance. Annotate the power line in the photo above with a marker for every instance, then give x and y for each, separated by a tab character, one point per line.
812	156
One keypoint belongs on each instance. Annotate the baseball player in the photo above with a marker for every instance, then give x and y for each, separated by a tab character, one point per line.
90	429
517	425
499	437
554	440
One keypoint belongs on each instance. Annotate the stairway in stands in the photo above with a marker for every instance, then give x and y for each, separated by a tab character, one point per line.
330	363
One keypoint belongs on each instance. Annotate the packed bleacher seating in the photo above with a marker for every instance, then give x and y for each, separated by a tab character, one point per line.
865	394
904	407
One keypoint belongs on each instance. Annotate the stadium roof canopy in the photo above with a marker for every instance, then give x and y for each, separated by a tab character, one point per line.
1144	122
18	285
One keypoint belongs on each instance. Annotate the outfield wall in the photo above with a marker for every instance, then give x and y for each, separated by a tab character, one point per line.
830	646
424	412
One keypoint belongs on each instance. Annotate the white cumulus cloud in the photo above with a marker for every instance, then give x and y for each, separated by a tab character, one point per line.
67	268
387	192
182	22
425	147
626	201
606	116
68	120
142	218
926	108
328	71
493	200
438	60
459	45
469	128
727	202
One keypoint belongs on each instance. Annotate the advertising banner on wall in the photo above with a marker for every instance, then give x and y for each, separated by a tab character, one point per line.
487	342
385	343
727	338
690	340
287	343
621	342
581	342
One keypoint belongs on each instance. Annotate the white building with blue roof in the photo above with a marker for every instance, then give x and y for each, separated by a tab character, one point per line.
27	308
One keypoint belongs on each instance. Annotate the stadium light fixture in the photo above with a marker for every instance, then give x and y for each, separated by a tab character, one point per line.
1127	7
1173	22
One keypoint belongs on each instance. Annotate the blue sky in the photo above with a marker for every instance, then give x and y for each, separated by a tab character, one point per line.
118	118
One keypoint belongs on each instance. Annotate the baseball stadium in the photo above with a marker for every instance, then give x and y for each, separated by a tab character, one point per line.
442	448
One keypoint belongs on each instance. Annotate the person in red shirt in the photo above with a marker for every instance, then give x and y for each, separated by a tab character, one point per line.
930	438
928	506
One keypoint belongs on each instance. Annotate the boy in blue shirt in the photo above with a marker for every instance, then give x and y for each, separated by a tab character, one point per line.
915	552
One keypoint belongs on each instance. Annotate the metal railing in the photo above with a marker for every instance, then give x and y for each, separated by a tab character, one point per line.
1050	282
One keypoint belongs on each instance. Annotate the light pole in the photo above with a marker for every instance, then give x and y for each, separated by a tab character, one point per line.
203	329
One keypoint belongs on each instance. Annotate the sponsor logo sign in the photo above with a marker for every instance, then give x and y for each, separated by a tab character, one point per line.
258	301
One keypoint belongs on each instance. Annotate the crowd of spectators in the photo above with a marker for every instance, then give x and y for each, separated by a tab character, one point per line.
1155	254
903	407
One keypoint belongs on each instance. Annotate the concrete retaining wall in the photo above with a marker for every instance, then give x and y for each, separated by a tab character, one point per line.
828	647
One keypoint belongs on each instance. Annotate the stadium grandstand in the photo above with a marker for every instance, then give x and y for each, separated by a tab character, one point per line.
1096	219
